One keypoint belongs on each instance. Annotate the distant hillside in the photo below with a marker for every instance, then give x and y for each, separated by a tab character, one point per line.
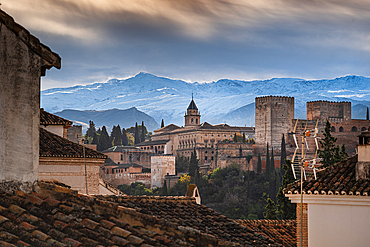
125	118
219	101
359	111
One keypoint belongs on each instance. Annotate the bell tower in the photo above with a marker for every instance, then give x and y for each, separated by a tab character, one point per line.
192	117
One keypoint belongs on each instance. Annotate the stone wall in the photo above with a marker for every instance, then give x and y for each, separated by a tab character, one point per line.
74	134
272	119
20	71
327	109
160	167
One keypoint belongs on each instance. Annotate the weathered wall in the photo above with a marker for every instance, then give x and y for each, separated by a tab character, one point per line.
20	71
327	109
55	129
160	167
71	171
139	157
74	134
273	116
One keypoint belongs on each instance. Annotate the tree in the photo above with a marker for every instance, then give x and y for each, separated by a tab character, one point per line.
367	113
136	137
272	177
270	213
181	164
164	189
95	139
99	131
162	124
267	168
259	164
343	152
244	140
193	166
91	130
282	155
235	139
124	137
116	137
104	142
142	132
286	209
327	146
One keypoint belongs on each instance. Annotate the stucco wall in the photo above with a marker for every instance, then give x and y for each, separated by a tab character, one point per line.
338	225
55	129
20	71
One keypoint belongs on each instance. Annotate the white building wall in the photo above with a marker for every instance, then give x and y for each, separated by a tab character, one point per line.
160	166
55	129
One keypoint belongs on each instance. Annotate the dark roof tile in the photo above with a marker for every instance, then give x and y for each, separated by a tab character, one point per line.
46	118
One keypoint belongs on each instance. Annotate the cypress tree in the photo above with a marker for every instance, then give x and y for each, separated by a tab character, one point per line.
282	154
270	213
104	142
286	209
259	164
193	166
235	138
162	124
367	113
164	189
327	146
271	176
268	168
91	130
137	138
343	152
142	132
244	140
95	139
117	138
99	131
124	137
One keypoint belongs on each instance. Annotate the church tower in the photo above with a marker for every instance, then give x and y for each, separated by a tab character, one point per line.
192	117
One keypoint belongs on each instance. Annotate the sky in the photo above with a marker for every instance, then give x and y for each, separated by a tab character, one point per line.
199	40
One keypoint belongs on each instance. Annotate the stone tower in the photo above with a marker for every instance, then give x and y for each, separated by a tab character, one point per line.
192	117
333	111
273	118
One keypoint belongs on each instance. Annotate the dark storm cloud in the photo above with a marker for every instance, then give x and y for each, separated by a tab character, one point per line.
199	40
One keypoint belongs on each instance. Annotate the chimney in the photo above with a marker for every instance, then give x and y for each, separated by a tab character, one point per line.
363	164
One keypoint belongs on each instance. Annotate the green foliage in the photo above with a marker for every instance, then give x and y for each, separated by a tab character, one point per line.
235	139
268	167
270	213
286	209
116	137
181	164
95	139
180	187
124	138
328	148
136	136
259	164
162	123
135	189
343	152
164	188
91	130
104	142
194	167
244	140
143	132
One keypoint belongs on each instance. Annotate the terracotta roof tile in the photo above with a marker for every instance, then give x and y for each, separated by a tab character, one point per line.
47	118
52	145
68	219
339	179
280	231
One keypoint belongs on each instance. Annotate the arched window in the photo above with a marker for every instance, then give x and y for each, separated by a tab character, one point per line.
332	129
196	121
354	129
363	129
340	129
192	120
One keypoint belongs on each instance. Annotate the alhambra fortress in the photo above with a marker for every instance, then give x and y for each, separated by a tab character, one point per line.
57	191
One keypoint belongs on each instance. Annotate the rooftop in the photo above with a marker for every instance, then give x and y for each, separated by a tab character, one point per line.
57	216
192	105
149	143
52	145
339	179
120	149
47	118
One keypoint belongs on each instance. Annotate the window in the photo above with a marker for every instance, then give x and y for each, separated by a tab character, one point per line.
192	120
205	152
354	129
130	157
205	158
363	129
196	121
138	158
205	143
212	158
340	129
121	156
332	129
212	144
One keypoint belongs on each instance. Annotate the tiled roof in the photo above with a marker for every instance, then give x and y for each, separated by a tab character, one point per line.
120	149
192	105
52	145
157	142
169	127
281	231
47	118
55	216
51	58
339	179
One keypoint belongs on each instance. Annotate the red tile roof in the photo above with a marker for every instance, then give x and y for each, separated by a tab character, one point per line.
339	179
56	216
47	118
51	58
280	231
52	145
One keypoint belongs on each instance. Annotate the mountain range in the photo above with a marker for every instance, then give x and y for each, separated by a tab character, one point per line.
222	101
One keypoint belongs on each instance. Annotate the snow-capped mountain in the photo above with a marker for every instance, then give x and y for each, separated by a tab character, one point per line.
164	98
